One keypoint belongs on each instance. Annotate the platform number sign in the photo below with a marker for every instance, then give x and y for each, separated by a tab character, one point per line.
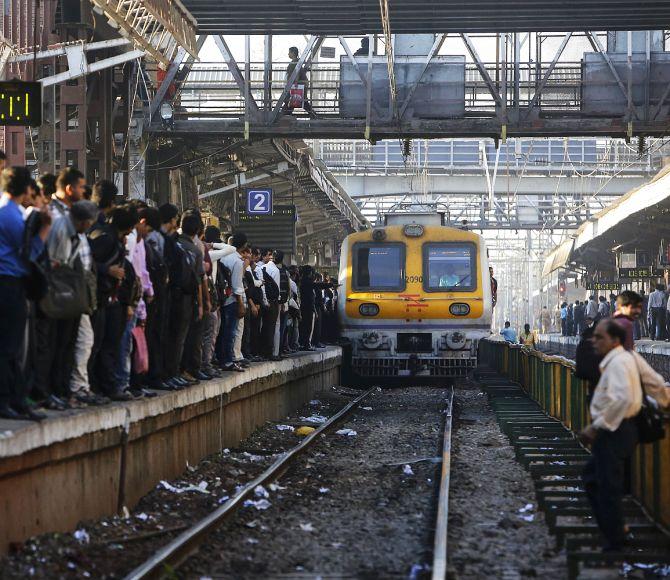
259	202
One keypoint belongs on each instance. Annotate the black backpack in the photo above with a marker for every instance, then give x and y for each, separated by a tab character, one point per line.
187	279
587	359
156	266
271	288
223	282
284	286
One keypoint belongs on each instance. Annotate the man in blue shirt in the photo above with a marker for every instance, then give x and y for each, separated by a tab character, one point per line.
14	182
509	334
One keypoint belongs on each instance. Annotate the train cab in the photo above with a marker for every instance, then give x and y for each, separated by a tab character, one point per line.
415	297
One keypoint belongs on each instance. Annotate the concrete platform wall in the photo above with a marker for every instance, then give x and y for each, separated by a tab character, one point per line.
87	464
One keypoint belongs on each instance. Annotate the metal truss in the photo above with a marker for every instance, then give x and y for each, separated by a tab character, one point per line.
541	212
77	62
160	28
532	89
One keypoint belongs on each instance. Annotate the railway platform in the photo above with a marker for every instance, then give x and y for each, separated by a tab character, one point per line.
656	352
93	462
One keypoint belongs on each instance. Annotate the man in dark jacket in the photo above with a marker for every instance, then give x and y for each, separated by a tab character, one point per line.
157	311
107	242
578	313
628	311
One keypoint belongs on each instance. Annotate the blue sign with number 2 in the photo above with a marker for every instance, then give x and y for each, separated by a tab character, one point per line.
259	201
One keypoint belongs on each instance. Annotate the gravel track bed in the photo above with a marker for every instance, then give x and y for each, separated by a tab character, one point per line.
111	547
347	508
495	530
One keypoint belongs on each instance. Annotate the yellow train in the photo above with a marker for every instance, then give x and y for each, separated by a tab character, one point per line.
415	298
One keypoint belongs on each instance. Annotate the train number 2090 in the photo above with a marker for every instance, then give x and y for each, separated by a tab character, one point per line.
409	279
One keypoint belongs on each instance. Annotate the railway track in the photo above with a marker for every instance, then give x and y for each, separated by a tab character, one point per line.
177	552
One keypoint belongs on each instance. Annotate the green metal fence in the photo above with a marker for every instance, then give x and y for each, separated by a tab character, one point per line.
551	381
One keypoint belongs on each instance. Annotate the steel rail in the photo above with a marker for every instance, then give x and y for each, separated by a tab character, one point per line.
165	560
440	543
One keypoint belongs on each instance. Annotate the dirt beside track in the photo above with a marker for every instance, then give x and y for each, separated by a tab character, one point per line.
347	508
495	529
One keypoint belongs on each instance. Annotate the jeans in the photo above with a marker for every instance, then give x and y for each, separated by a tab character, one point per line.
294	334
82	353
270	315
182	308
306	327
229	331
125	350
108	323
54	356
14	314
211	330
192	357
657	323
283	317
237	345
254	334
604	479
157	313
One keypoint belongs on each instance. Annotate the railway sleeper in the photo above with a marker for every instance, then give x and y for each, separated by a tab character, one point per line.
554	458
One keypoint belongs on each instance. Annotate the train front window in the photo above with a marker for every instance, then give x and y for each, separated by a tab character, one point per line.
379	267
450	267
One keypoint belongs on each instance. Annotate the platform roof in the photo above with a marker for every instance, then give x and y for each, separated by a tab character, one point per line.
637	220
287	166
357	17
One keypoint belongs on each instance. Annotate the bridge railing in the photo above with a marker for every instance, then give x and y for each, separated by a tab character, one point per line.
551	381
209	89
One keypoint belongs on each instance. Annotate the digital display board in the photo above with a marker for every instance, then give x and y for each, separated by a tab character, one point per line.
602	285
637	273
20	103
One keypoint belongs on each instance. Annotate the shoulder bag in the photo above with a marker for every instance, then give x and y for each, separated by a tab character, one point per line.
649	421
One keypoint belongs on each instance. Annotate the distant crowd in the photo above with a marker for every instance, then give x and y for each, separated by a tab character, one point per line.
105	300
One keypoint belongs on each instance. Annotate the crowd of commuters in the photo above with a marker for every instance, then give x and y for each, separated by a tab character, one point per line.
106	300
571	318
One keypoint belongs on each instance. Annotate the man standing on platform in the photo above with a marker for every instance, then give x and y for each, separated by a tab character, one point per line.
628	310
13	304
657	303
612	433
591	308
233	307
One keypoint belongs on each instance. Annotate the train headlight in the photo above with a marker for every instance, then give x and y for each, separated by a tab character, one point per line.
413	230
459	309
456	340
368	309
379	235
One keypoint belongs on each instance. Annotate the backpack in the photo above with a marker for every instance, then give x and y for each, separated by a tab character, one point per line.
214	298
271	288
187	279
587	359
223	282
156	266
284	286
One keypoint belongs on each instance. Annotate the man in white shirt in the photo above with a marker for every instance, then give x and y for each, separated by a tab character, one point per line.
591	308
270	315
233	307
656	306
273	271
616	401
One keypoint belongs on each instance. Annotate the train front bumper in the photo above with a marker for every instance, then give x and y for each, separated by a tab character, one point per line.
457	364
